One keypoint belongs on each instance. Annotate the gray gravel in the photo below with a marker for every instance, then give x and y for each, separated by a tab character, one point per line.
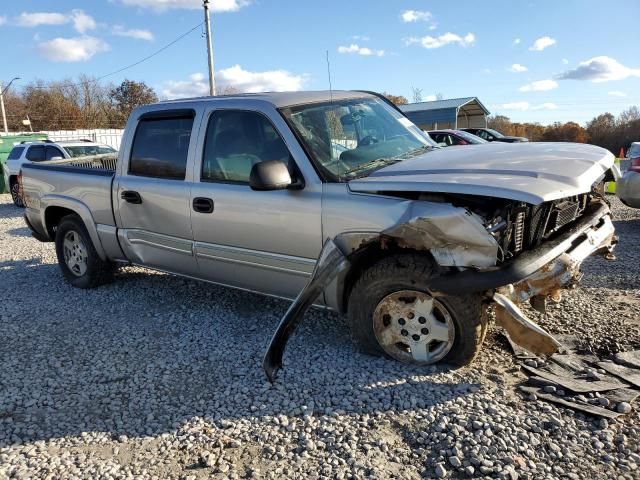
154	376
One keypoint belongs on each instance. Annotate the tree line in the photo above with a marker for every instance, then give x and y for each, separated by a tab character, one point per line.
70	105
604	130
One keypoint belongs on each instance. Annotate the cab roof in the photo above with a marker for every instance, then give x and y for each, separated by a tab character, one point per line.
281	99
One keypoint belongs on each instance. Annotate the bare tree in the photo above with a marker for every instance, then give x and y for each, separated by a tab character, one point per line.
129	95
439	96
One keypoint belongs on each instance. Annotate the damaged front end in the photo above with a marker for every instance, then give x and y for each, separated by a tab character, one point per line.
516	254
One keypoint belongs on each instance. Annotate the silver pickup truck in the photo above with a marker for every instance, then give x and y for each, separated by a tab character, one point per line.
339	201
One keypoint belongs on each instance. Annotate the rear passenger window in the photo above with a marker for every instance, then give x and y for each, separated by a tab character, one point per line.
160	146
235	142
15	153
36	153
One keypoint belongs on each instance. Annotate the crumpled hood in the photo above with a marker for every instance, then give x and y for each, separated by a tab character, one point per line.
528	172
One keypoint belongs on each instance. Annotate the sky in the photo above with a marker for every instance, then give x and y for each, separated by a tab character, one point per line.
533	61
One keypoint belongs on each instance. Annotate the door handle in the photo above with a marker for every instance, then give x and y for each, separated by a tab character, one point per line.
131	196
203	205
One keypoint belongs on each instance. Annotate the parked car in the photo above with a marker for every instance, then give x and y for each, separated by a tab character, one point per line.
27	152
491	135
411	242
449	138
628	187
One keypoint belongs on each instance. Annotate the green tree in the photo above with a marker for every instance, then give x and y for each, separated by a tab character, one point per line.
129	95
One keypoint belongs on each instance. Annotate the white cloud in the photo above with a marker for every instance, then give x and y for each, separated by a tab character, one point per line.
80	20
161	5
600	69
3	19
409	16
565	61
617	93
539	86
517	68
41	18
430	98
77	49
542	43
237	78
362	38
430	42
357	49
524	106
136	33
516	41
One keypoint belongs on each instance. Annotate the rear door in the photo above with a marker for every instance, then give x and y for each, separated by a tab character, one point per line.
152	195
266	241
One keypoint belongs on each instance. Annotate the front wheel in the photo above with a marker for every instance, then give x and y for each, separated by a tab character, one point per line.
81	265
393	313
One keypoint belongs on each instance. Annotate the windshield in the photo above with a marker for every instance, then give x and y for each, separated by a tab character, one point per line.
88	150
495	133
352	138
470	137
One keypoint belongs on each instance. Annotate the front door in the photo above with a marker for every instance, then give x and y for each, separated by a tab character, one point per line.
154	216
266	241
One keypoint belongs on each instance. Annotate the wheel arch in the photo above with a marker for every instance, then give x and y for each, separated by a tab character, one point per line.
364	259
55	209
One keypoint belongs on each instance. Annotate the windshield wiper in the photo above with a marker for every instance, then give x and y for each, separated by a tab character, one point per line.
371	165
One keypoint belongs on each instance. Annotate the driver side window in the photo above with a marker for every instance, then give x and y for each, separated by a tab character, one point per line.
235	141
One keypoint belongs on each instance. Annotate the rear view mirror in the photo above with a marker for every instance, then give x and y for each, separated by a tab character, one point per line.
270	175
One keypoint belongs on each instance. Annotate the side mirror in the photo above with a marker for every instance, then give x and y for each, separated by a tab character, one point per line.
270	175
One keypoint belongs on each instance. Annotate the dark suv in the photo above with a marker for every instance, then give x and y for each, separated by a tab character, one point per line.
491	135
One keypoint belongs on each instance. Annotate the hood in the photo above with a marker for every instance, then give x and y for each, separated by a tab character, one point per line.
527	172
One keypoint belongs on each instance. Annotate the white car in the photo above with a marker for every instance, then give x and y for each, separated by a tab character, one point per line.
628	187
45	150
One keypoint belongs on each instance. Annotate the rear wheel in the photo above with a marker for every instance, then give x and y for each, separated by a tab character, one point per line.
16	194
393	313
79	262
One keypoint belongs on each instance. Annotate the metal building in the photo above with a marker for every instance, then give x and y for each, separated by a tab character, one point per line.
452	113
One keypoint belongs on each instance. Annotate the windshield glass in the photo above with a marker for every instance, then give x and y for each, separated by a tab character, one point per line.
352	138
470	137
87	150
495	133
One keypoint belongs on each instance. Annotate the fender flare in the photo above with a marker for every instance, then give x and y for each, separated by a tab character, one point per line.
79	209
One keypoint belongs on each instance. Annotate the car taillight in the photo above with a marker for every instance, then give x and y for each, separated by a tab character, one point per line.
635	165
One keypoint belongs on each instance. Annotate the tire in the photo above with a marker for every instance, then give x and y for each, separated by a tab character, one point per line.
77	257
451	333
16	195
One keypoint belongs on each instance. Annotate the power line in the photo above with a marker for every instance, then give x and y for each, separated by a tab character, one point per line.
160	50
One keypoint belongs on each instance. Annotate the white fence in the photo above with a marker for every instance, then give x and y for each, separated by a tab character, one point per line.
107	136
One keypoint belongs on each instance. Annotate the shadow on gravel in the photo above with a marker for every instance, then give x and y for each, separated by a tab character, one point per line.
9	210
150	352
20	232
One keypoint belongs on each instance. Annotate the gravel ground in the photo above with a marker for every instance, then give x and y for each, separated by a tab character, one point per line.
154	376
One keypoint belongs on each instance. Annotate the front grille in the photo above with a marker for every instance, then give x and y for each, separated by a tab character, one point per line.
531	225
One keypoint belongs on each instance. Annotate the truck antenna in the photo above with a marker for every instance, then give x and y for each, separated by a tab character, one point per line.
329	75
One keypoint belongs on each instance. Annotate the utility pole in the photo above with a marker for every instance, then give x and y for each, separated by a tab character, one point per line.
207	23
4	113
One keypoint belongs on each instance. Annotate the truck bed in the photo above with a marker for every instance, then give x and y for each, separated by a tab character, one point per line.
85	179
